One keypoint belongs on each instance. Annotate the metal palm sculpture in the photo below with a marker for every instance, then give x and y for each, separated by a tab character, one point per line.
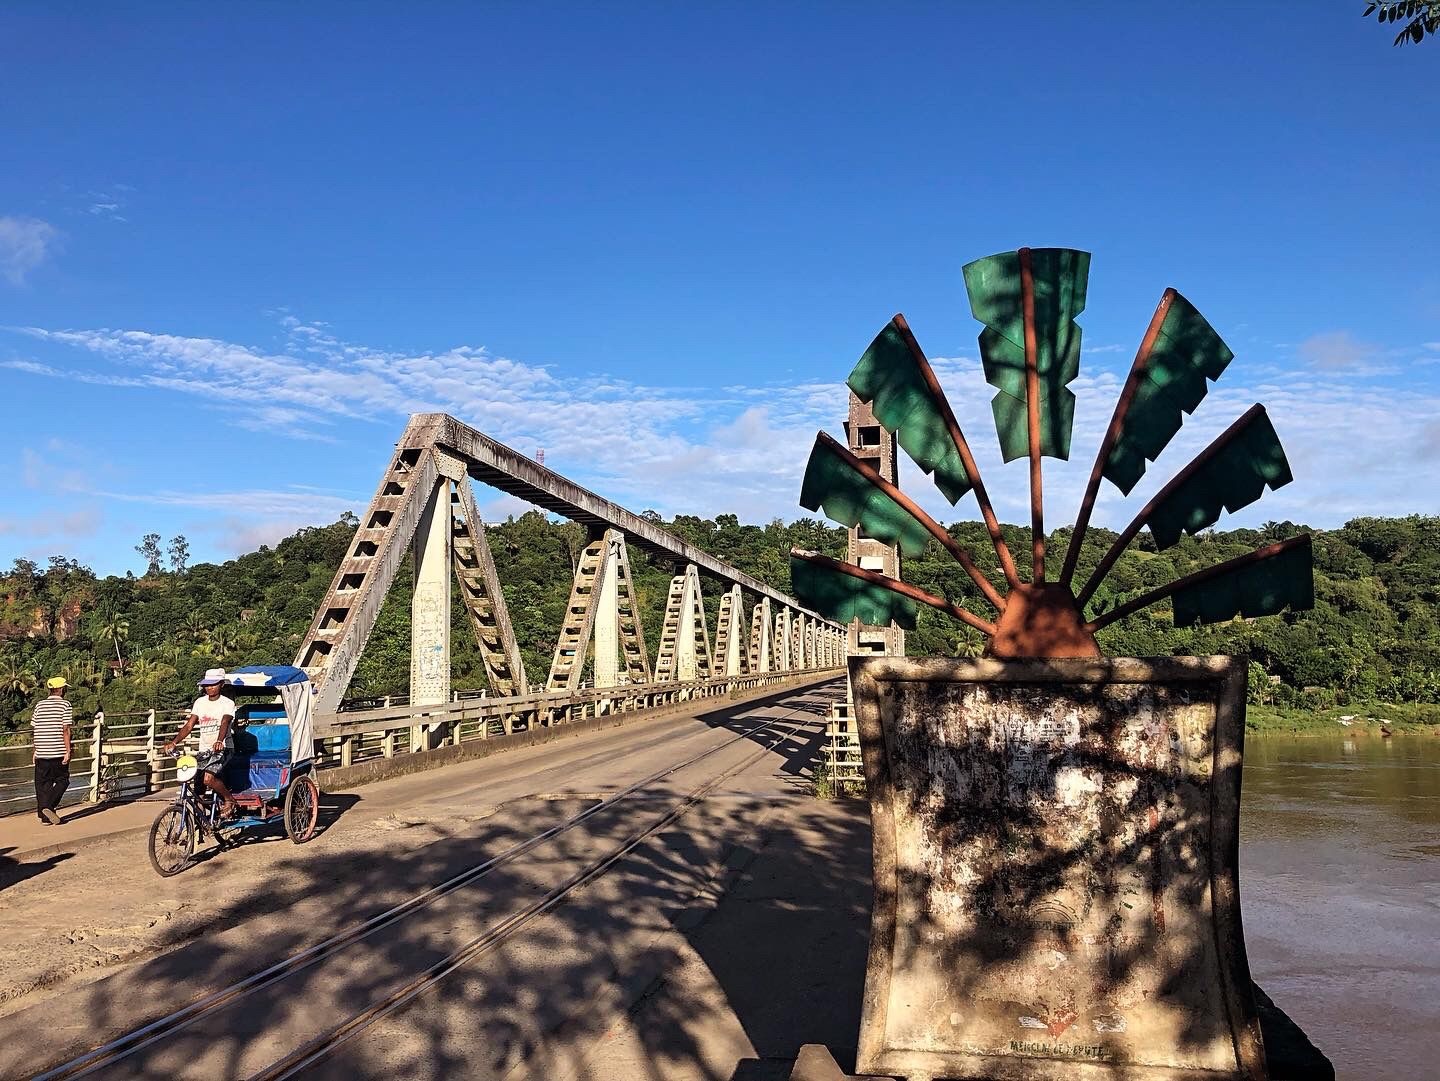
1030	349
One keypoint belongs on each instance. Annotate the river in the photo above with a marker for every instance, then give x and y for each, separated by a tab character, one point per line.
1340	890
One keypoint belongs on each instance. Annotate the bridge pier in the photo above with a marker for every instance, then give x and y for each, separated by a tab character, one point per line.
430	612
480	589
684	652
782	640
760	648
728	655
601	610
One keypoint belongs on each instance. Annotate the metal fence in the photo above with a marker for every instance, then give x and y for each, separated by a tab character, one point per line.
118	756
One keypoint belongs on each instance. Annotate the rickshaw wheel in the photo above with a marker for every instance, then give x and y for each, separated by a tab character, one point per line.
302	809
172	842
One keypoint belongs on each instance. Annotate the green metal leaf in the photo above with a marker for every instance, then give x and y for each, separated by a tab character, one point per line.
1186	353
889	378
1061	276
838	596
1261	589
850	499
1234	477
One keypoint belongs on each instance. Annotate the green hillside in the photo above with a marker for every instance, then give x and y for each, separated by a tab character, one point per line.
128	643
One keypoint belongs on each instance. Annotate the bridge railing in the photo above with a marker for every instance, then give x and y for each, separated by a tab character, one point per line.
118	757
113	756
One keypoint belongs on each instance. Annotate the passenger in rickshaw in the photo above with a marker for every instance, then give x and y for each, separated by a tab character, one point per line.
214	713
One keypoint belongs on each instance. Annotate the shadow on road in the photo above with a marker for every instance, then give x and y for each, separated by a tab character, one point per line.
13	871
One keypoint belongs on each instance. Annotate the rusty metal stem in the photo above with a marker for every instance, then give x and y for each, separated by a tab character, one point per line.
1136	524
894	585
982	499
1147	599
934	528
1112	433
1032	419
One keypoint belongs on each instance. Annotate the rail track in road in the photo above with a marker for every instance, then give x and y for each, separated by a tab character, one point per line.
158	1031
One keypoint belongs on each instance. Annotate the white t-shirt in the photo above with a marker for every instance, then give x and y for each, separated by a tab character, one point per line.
209	712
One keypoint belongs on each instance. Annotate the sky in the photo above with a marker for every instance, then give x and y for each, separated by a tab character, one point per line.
238	246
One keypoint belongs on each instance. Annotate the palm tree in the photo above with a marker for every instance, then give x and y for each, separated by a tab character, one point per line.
146	673
16	679
195	625
970	645
116	630
222	641
91	675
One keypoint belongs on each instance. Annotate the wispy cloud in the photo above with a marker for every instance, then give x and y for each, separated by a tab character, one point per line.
109	203
64	526
1336	350
25	243
742	448
259	502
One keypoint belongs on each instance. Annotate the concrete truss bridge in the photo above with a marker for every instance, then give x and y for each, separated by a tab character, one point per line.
425	504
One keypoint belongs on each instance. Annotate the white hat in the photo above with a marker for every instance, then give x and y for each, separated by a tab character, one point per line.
214	675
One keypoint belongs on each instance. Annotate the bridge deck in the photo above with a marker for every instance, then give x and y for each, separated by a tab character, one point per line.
240	910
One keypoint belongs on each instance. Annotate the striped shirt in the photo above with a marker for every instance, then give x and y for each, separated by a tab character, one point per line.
48	723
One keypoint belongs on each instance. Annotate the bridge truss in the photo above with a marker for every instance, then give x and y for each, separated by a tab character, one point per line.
424	504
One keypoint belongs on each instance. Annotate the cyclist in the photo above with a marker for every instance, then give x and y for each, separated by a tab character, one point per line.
214	713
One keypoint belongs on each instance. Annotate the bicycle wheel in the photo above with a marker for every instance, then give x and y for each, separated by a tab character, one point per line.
302	809
172	841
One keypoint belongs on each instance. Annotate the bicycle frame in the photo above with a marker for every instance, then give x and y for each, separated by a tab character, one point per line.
196	808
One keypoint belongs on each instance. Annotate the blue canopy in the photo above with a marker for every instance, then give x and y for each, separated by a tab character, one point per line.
295	690
267	675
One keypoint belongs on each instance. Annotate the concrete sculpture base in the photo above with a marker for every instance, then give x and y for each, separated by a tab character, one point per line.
1055	870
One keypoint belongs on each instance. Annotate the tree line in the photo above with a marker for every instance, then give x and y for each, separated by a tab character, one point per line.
129	643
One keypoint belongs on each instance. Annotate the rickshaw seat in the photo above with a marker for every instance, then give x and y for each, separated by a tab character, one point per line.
262	750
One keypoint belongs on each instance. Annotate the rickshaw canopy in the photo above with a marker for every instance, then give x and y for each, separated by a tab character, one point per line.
297	694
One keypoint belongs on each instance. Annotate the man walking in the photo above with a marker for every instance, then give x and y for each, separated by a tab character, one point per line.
50	728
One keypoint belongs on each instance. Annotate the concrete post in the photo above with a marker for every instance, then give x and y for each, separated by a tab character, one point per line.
782	640
152	783
96	748
607	616
430	610
760	649
686	665
729	663
1092	894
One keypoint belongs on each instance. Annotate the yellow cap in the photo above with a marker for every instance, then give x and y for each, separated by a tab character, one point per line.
55	682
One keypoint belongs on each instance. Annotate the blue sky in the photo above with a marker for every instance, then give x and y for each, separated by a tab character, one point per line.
238	247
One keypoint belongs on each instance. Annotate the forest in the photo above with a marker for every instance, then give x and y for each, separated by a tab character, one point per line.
140	641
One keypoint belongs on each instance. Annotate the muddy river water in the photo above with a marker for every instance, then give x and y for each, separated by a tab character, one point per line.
1340	888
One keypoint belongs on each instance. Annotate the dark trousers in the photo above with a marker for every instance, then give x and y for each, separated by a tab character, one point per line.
52	777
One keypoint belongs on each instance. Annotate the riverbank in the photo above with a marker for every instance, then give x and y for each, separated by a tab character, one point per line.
1371	719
